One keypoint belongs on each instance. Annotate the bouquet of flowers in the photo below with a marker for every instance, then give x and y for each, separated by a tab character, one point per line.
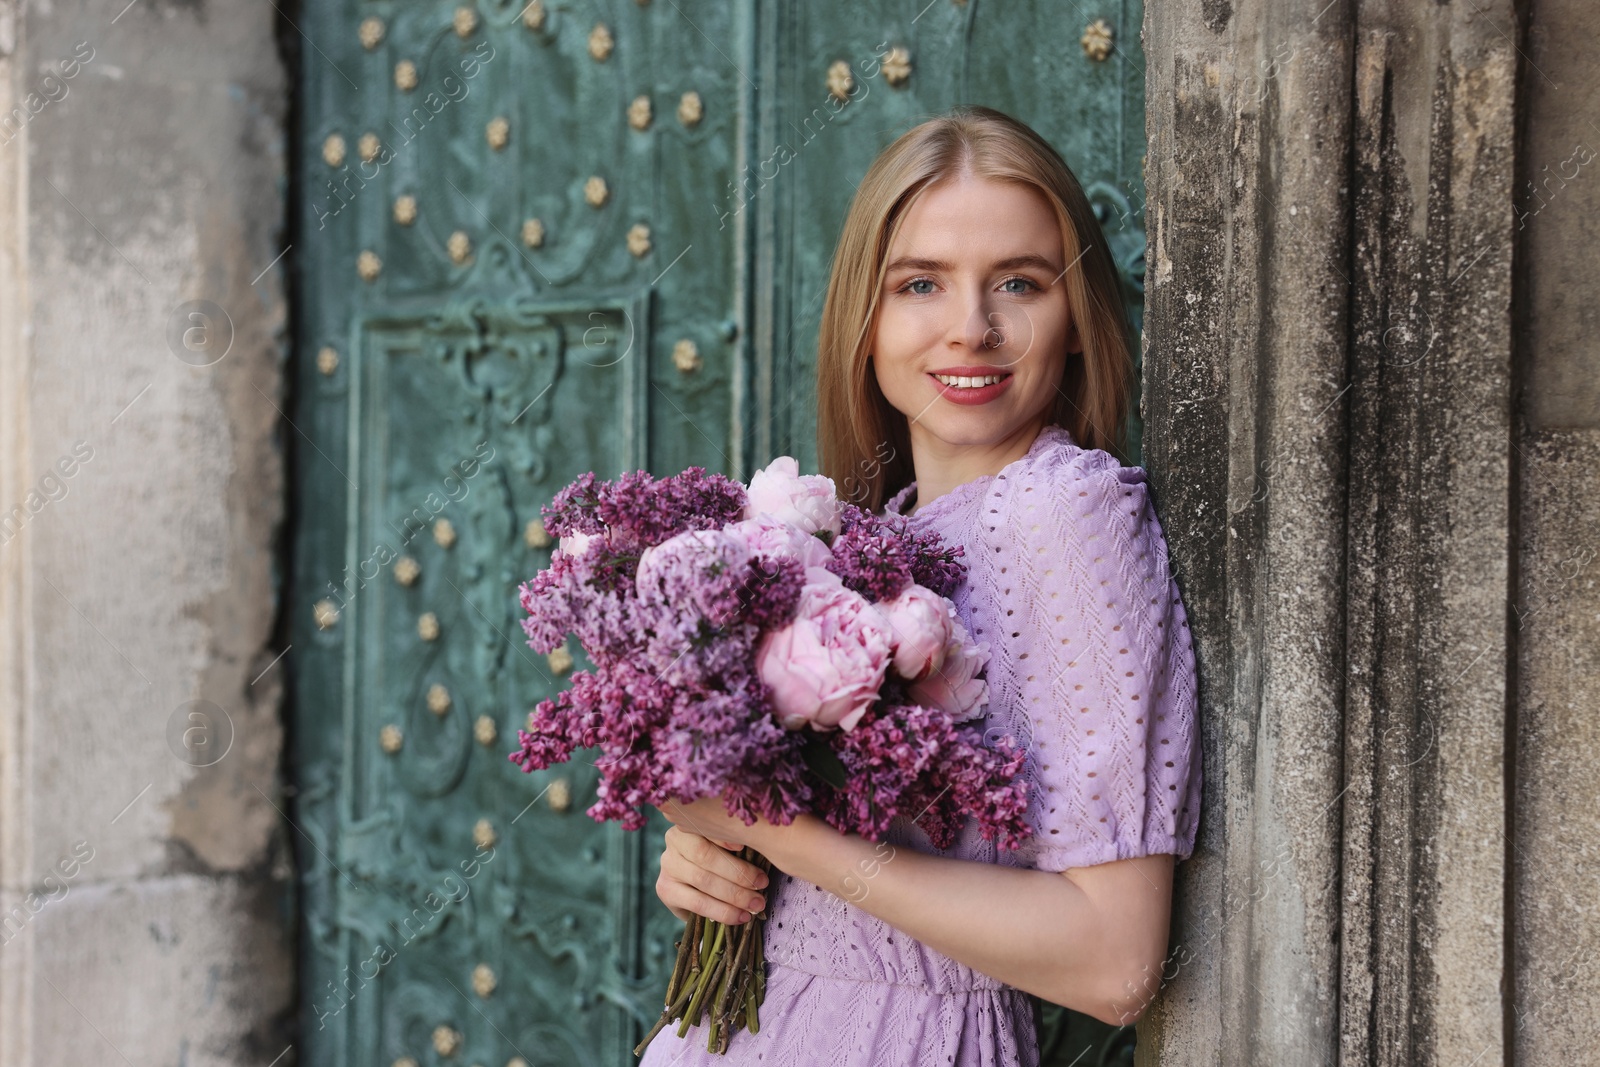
775	646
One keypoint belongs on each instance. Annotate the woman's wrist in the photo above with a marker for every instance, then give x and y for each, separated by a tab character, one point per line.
808	847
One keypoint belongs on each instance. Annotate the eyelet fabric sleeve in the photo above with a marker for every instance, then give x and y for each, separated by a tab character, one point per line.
1092	652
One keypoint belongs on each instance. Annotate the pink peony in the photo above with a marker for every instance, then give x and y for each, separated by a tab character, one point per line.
954	687
919	623
688	545
808	502
576	544
774	537
826	666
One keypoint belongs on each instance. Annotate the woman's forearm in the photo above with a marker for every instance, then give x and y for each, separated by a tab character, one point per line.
1039	931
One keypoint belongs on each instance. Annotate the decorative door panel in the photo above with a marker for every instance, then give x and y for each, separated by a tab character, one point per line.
506	279
535	240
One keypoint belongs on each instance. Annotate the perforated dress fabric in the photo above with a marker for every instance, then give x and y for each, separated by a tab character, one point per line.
1092	671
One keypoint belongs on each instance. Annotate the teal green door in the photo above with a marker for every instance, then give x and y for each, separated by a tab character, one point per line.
534	241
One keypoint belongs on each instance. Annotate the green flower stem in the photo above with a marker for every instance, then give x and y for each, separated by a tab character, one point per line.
713	969
671	1011
752	1019
720	1005
679	966
719	972
717	1040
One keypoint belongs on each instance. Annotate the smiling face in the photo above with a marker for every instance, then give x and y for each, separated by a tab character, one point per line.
973	294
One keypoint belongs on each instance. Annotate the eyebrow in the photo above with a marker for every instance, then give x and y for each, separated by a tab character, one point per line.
1027	259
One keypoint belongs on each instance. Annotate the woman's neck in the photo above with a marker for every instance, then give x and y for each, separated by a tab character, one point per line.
941	466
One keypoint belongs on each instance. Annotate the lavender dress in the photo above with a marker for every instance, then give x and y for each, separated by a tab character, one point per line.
1092	670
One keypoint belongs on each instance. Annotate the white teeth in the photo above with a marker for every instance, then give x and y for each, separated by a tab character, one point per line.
969	383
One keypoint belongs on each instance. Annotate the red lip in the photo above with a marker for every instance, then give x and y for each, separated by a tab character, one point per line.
981	395
968	371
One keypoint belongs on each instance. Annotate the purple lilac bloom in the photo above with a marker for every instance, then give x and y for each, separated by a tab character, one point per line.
670	609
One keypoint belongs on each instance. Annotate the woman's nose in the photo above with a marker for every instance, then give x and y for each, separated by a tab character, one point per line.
984	325
981	326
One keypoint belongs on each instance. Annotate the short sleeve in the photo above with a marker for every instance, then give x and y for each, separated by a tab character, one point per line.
1094	648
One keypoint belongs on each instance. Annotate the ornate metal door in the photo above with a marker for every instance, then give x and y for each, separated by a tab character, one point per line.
535	240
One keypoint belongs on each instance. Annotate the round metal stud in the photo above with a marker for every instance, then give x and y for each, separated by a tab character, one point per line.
428	626
325	614
639	239
368	146
560	660
533	15
406	570
327	359
595	191
405	209
601	42
438	699
690	108
897	65
333	150
405	75
840	81
1096	40
560	794
483	980
483	834
498	132
446	1040
368	265
484	731
639	112
371	32
459	246
465	21
686	356
444	533
536	535
532	233
390	739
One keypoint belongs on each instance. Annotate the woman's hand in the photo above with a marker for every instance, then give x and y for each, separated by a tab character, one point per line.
702	876
709	818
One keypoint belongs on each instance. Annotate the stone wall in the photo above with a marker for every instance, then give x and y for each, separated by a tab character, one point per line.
145	906
1370	404
1555	935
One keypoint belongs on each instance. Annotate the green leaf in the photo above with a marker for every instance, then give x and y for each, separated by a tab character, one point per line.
823	761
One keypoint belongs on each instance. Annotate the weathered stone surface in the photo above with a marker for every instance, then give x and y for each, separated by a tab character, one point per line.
145	578
157	970
1329	416
1557	856
1245	362
1555	986
1556	194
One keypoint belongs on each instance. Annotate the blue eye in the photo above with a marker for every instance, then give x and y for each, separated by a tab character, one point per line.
917	281
1018	292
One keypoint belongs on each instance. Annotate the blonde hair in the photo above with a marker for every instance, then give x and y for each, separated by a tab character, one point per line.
855	422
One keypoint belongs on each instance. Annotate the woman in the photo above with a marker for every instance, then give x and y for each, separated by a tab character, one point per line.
973	354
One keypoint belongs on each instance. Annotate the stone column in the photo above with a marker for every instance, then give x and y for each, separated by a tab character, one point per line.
145	882
1554	988
1329	403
